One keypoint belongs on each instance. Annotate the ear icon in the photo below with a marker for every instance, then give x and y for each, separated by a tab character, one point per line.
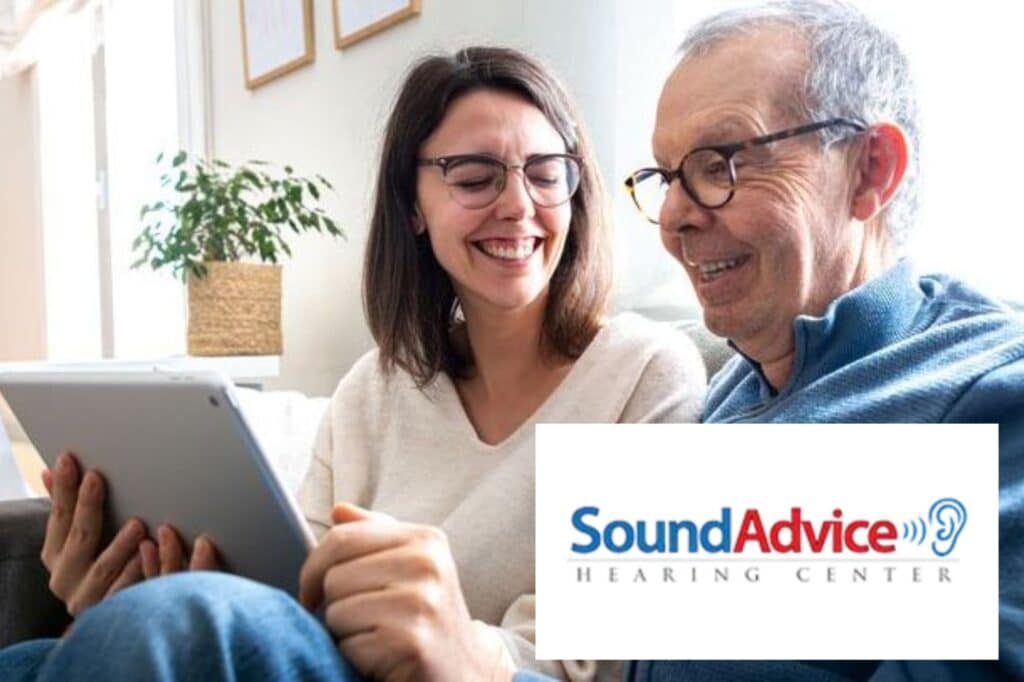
948	517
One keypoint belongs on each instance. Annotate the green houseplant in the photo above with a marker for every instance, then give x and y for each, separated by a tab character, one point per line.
216	220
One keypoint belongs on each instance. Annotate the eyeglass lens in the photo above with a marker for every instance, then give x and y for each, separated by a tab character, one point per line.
706	172
475	183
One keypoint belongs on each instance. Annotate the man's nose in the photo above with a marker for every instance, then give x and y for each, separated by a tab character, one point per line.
680	211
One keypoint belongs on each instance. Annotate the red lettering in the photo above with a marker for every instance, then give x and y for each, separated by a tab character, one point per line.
816	542
852	544
793	526
875	536
837	536
787	535
752	518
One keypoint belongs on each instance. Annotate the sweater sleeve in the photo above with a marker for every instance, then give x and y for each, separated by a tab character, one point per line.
998	398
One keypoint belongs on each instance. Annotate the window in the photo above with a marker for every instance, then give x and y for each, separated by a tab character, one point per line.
117	82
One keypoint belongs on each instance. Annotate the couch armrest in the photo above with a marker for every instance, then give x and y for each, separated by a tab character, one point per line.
27	608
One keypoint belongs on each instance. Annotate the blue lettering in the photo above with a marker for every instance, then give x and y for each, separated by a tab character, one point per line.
659	537
579	524
609	537
724	528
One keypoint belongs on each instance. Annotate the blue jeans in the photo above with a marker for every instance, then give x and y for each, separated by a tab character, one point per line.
189	626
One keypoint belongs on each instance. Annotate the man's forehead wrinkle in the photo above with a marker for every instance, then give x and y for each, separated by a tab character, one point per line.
729	123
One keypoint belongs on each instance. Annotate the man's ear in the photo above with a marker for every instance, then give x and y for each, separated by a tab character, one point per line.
881	168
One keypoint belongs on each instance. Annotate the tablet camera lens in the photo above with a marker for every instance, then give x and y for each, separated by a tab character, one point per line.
213	401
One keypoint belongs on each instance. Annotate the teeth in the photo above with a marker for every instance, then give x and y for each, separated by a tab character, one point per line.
714	268
519	250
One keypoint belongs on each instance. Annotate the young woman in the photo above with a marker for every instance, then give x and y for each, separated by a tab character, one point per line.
485	284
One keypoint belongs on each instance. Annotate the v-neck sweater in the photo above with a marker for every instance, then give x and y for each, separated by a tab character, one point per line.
413	453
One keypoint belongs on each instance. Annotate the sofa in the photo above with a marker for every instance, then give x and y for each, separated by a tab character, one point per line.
285	424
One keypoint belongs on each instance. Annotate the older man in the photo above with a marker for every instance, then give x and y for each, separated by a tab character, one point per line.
786	140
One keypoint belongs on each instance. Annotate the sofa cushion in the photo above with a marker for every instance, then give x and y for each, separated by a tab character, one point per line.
713	349
27	609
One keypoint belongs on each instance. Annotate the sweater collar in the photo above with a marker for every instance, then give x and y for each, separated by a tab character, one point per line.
861	321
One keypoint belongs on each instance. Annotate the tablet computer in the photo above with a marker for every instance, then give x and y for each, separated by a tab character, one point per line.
174	448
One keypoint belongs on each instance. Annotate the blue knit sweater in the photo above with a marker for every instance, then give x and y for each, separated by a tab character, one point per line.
898	349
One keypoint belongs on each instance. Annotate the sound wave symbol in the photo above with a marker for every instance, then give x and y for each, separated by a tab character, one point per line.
915	530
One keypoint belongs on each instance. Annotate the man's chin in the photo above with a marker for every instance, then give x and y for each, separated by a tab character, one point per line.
726	323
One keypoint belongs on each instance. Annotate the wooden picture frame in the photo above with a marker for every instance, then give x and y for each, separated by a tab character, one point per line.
355	20
277	38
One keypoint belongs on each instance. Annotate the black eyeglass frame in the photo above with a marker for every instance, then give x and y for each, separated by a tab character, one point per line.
727	152
445	162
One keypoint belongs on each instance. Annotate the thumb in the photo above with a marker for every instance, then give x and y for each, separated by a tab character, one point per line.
344	512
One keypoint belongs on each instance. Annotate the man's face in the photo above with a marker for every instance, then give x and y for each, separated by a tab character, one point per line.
785	244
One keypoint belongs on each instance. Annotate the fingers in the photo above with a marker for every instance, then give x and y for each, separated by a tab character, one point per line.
343	512
63	498
83	537
131	574
47	478
376	571
374	654
366	611
172	554
167	554
108	567
69	566
149	558
343	543
204	556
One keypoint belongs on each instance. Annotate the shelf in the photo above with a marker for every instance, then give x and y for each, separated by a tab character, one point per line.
239	368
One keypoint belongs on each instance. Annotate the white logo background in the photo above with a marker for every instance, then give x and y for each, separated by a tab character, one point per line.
604	605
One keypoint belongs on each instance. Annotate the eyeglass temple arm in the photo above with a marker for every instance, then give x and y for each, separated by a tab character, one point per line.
801	130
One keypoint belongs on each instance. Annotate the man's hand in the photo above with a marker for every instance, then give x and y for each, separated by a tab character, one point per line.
393	600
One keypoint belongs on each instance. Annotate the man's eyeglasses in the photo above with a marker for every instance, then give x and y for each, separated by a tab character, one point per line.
708	174
476	180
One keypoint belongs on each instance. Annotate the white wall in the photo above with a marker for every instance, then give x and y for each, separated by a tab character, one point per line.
328	118
22	308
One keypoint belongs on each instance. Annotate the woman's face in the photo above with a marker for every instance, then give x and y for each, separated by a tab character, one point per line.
501	256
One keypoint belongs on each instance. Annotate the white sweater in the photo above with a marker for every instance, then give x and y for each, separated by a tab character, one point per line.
388	446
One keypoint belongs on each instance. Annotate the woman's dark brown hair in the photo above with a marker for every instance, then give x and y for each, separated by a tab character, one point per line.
409	299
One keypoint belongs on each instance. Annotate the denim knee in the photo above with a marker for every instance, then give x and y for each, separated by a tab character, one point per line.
199	625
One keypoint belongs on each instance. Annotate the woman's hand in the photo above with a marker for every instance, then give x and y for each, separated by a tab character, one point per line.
167	554
80	573
393	600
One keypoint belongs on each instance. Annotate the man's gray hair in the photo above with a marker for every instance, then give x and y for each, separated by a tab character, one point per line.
856	70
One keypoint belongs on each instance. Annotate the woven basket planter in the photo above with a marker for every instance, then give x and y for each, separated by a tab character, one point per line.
235	310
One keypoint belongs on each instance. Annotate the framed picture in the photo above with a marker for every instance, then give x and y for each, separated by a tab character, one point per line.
358	19
277	37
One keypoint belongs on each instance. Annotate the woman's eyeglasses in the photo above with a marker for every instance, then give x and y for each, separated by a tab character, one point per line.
476	180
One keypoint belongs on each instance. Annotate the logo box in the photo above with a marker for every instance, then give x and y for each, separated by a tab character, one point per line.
788	541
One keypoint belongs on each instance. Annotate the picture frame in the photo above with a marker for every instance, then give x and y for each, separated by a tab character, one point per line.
277	38
355	20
